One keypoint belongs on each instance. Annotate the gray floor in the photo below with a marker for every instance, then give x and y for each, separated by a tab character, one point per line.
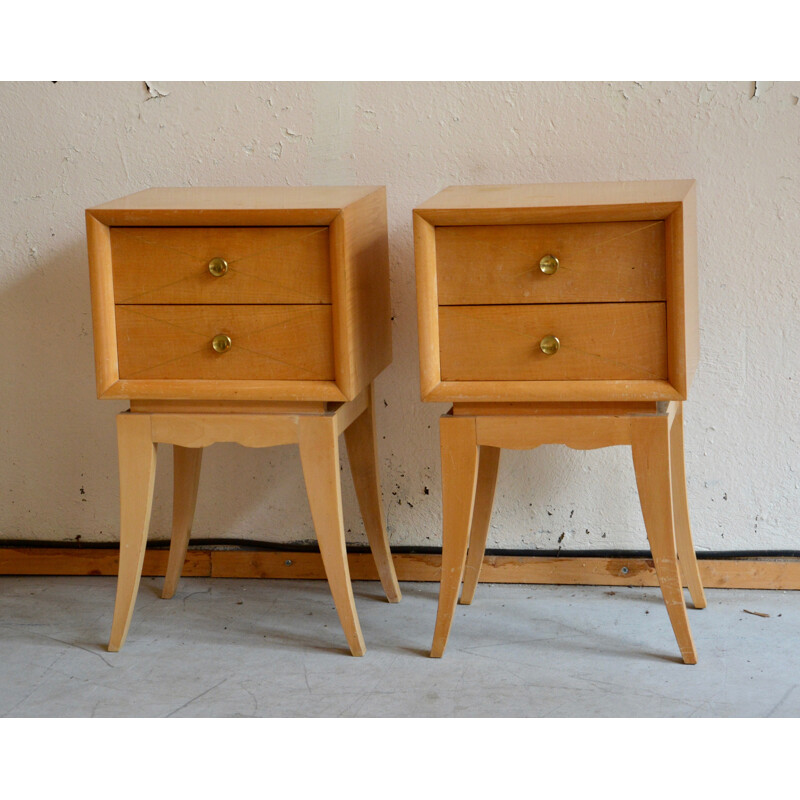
241	648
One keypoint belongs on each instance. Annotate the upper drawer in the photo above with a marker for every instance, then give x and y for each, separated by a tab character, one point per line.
597	262
264	265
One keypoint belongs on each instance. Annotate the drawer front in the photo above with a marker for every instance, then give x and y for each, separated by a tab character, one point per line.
264	265
601	262
268	342
608	341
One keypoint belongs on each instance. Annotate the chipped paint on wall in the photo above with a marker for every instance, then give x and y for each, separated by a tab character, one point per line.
66	146
154	90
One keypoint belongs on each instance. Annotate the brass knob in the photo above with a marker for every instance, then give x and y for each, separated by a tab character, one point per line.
218	267
221	343
549	345
548	264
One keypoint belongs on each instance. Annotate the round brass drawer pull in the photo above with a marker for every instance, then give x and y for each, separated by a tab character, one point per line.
548	264
218	267
221	343
549	345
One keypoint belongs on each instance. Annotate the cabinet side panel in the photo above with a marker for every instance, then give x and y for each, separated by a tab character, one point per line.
102	290
427	305
676	303
690	283
361	294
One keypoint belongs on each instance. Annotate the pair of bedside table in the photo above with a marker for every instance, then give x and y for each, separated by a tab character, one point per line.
562	313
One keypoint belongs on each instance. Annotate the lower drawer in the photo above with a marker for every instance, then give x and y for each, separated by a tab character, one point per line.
597	341
293	342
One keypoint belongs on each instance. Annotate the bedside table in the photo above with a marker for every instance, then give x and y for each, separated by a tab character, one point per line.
255	315
563	313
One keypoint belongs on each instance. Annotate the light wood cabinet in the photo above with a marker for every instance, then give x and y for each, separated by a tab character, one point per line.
623	243
560	313
257	315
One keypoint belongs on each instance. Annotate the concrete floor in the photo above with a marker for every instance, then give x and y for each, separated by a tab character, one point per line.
241	648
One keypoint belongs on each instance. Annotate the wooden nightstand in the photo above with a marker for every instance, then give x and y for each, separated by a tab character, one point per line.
563	313
251	315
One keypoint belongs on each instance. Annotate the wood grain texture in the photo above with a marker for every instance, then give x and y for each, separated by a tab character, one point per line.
137	472
598	263
682	298
319	455
549	409
488	463
217	389
290	342
265	265
277	235
202	430
102	290
687	559
578	432
186	479
362	335
459	449
427	305
650	437
317	435
231	205
478	237
551	391
226	407
781	574
689	269
361	440
554	202
651	461
607	341
344	414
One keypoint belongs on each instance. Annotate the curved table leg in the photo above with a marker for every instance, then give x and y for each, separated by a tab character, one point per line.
488	463
363	454
137	472
186	478
687	559
650	442
319	454
459	448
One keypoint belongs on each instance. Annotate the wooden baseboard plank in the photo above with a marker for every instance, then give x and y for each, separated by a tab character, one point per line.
91	561
719	573
308	566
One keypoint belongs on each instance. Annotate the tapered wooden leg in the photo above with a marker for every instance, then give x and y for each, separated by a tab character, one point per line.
319	454
687	559
137	472
651	461
459	474
363	454
186	478
488	462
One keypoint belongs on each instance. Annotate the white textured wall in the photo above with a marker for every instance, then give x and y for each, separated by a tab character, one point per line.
64	147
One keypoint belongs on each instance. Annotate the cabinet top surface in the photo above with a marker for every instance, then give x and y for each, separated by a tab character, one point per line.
240	198
548	195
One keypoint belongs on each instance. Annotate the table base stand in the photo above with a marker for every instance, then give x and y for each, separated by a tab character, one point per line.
470	446
317	434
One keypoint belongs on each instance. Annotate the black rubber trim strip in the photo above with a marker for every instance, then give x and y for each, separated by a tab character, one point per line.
306	547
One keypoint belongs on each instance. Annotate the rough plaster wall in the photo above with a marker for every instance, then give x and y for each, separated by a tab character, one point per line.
69	146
